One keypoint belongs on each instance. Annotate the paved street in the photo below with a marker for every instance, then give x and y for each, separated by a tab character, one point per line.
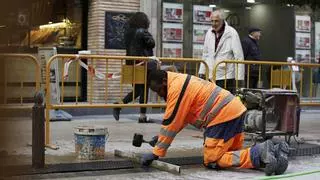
187	143
297	165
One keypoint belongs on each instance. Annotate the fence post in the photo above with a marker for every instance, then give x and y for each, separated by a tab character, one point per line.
38	132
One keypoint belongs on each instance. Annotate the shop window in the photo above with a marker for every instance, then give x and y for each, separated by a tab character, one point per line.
43	23
60	34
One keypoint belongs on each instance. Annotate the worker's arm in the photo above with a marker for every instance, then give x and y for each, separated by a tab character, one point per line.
174	121
164	140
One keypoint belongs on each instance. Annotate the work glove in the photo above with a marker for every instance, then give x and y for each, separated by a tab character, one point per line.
202	76
148	158
153	141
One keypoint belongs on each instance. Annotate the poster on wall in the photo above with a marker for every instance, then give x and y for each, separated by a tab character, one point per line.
303	40
172	12
172	32
303	23
115	25
197	51
199	33
303	56
201	14
317	41
173	50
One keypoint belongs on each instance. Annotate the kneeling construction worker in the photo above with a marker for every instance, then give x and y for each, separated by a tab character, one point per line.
203	104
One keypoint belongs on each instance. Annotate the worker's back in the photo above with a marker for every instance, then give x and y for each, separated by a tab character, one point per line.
201	98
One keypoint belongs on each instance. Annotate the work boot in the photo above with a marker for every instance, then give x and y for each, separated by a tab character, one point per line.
263	156
281	154
116	112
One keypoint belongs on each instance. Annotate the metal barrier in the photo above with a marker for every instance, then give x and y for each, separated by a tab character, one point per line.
129	75
6	83
282	77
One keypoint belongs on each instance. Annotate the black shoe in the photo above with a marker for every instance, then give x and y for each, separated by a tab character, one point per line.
281	154
143	120
116	112
267	157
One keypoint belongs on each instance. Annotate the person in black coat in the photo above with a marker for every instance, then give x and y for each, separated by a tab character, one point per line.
252	52
138	42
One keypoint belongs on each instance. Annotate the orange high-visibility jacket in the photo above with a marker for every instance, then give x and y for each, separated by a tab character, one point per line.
194	101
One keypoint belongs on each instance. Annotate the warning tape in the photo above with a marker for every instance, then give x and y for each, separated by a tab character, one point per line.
94	72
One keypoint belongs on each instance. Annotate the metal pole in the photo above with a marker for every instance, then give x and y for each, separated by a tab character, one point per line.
38	134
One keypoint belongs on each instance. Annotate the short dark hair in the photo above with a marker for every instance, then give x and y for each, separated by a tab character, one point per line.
157	76
139	20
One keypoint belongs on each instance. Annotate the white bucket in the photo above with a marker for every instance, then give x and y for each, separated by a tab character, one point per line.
90	142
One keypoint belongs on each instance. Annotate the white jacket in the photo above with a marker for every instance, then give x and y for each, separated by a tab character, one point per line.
229	48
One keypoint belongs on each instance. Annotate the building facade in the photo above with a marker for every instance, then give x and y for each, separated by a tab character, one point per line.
178	27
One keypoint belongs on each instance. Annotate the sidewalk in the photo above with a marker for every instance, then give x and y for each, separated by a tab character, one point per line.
187	143
120	137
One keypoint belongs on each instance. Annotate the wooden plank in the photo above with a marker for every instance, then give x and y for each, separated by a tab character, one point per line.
155	164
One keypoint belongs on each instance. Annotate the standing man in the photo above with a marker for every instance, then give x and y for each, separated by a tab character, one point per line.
203	104
221	43
252	52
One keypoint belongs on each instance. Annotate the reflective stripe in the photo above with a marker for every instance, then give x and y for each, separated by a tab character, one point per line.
236	158
210	101
207	107
167	133
215	111
162	145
